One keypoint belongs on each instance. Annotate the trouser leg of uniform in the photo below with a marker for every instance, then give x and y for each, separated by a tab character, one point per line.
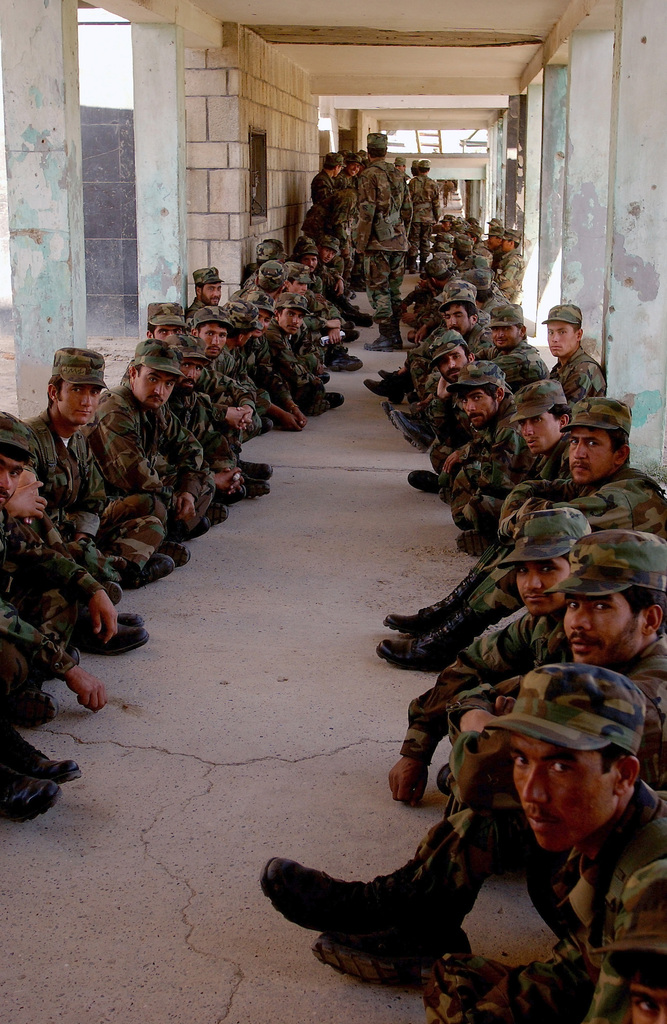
376	269
49	612
395	280
311	399
472	990
497	591
133	527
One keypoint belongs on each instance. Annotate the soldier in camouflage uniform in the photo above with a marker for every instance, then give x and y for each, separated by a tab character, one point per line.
385	212
306	389
208	289
520	362
141	448
100	535
267	283
511	267
391	929
638	953
165	318
489	297
580	375
425	297
323	189
462	254
344	213
494	242
425	212
267	249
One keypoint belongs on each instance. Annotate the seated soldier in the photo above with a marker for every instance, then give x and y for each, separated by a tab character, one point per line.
460	313
489	297
638	955
306	389
267	283
267	249
208	289
141	448
165	318
40	590
520	362
603	486
580	375
511	267
585	831
259	366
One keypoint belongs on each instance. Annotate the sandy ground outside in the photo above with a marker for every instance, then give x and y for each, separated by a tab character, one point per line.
257	721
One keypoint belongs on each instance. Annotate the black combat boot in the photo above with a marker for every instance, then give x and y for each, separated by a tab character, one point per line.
157	567
22	797
19	755
434	615
415	432
393	387
386	341
127	638
434	651
256	470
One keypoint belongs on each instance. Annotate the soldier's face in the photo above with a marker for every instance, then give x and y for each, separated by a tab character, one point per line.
602	629
493	242
163	331
10	474
563	339
192	371
534	578
309	260
289	320
74	404
508	336
209	294
508	245
566	796
480	406
542	433
214	336
264	318
591	455
452	363
457	319
151	388
648	1004
296	287
326	254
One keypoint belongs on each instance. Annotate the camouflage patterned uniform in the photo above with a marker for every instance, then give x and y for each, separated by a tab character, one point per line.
385	211
510	271
522	365
425	212
207	275
306	389
581	377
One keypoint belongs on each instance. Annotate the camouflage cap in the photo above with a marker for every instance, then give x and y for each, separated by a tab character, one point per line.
165	314
536	398
264	303
190	348
447	237
512	235
643	929
333	160
209	315
578	706
14	438
507	316
446	341
377	141
424	165
78	366
600	414
495	231
352	158
240	315
546	533
463	245
474	375
480	277
287	300
157	356
297	272
270	249
400	161
329	242
207	275
305	244
474	222
458	291
610	561
438	268
567	314
271	275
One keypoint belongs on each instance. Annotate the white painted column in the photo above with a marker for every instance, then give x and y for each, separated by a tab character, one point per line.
552	179
159	140
40	84
531	249
636	316
587	179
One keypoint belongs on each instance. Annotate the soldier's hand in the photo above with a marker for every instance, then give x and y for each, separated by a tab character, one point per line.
451	461
420	334
475	720
103	616
26	501
407	780
239	416
442	388
340	286
334	336
504	705
184	505
90	691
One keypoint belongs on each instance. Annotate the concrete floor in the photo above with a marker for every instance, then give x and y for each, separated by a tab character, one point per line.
257	721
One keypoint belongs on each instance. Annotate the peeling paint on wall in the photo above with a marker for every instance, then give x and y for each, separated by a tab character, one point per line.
644	405
633	272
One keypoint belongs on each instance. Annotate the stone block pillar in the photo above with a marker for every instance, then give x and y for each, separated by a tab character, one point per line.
636	308
552	180
531	227
40	84
159	140
515	162
586	179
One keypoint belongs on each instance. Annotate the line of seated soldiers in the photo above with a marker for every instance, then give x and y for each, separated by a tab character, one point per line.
105	488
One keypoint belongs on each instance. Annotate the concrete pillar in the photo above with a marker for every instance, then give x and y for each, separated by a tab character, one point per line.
499	203
40	84
515	162
587	179
636	308
159	140
531	227
552	179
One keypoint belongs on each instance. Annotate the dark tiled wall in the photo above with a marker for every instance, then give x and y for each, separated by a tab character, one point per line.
110	221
